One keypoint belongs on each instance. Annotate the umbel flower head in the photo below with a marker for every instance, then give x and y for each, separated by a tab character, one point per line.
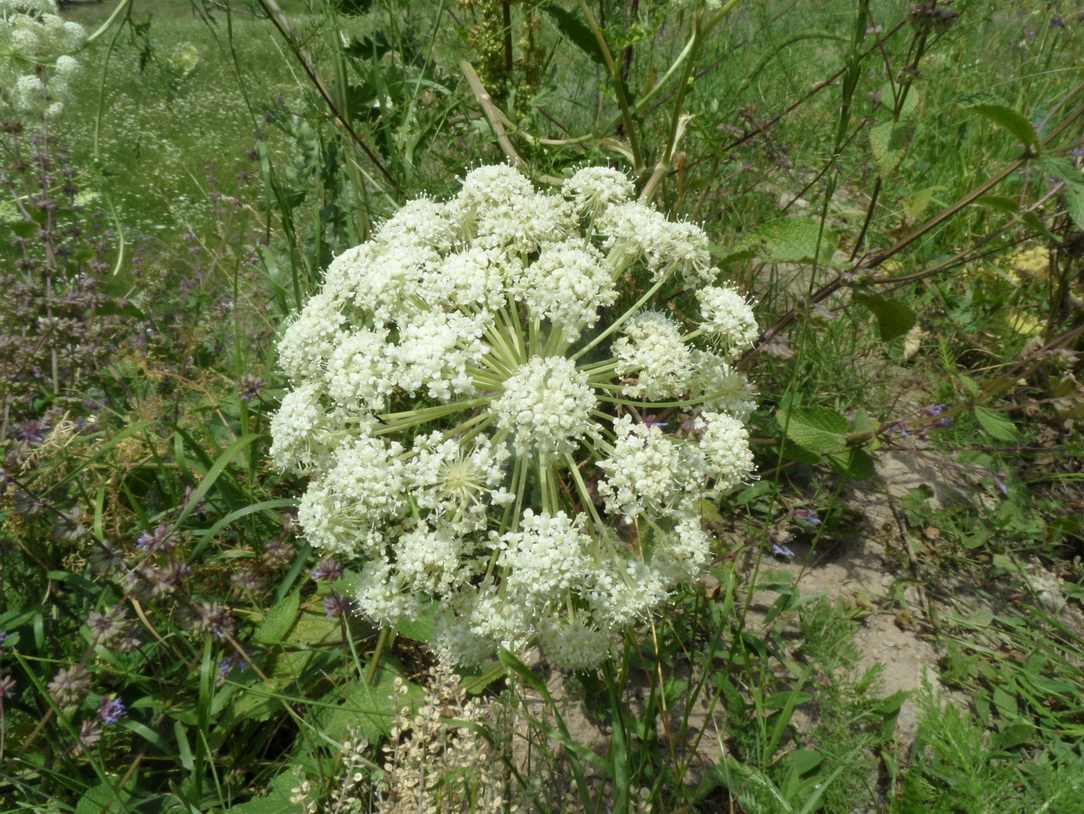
35	62
503	420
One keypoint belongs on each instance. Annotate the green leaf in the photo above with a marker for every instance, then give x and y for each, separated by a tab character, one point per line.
279	619
102	797
1066	171
421	629
1003	203
576	32
368	709
1063	169
1013	735
996	425
24	228
815	428
916	204
855	464
277	801
893	317
788	240
889	141
1074	203
1004	117
863	422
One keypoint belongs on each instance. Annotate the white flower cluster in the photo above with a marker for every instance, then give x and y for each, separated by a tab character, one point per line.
35	57
500	429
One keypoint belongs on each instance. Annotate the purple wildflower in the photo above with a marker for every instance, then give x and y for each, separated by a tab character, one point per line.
335	605
330	569
112	709
89	735
249	387
214	618
69	685
149	543
806	515
780	550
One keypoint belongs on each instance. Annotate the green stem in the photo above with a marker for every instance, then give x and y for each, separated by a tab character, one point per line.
619	86
384	640
621	320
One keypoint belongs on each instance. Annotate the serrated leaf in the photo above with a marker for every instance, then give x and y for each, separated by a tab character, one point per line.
889	141
576	32
1074	204
889	99
101	797
816	428
1004	117
789	240
1063	170
1066	171
279	619
893	317
996	425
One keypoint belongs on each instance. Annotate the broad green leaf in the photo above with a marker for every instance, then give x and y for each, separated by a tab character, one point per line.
1004	117
422	627
279	619
102	797
815	428
863	422
855	464
1063	169
1013	735
1003	203
277	799
910	101
576	32
997	426
893	317
889	141
789	240
24	228
369	709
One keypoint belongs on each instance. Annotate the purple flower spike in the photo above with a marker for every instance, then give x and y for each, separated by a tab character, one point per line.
111	710
330	569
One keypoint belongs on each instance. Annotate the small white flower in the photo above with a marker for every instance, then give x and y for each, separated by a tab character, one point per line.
546	406
728	318
725	444
567	285
593	190
652	353
545	559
